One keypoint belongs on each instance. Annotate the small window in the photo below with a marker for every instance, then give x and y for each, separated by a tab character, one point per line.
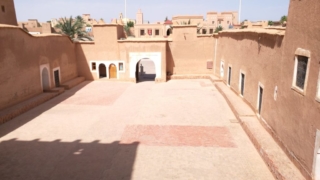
212	22
150	32
3	9
211	31
142	32
120	66
157	32
228	22
93	66
300	75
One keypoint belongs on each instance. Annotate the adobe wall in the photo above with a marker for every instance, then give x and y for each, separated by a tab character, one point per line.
21	56
266	57
300	114
188	53
108	48
8	15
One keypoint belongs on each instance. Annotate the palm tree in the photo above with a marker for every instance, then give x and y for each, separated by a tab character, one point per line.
74	28
283	19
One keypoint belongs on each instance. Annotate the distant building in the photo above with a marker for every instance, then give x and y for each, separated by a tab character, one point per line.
226	20
34	27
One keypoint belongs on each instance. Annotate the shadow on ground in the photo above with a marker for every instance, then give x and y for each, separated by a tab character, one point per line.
18	121
36	160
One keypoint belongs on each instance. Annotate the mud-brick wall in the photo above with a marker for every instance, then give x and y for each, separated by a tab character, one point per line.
267	58
21	56
104	48
188	53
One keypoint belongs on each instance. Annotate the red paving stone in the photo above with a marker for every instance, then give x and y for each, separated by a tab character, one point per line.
194	136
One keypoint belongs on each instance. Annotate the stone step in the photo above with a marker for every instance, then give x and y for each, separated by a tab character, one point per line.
274	156
212	78
18	109
72	83
55	90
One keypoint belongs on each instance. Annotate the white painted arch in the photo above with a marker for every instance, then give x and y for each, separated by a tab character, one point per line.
153	56
45	79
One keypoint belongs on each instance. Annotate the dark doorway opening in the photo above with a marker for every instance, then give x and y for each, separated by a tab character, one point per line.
57	78
145	70
112	71
102	71
229	76
260	99
169	31
242	83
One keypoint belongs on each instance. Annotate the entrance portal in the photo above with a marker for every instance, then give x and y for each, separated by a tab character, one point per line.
45	79
169	31
102	71
145	70
112	71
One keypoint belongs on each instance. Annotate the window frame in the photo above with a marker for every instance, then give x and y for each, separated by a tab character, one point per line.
121	70
142	34
240	82
295	73
93	64
155	32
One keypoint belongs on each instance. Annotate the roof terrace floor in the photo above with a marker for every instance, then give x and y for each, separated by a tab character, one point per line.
182	129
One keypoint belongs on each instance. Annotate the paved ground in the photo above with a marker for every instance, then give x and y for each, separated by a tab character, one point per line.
108	130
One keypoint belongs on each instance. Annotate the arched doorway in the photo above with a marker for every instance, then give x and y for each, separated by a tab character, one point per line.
145	70
102	71
169	31
112	71
45	79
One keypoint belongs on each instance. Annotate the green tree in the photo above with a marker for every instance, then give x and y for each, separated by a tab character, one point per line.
218	29
270	23
283	19
166	19
127	27
74	28
130	24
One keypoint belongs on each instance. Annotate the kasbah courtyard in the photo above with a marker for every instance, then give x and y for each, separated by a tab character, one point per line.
191	97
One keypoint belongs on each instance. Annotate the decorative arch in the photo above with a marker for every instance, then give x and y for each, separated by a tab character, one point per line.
45	79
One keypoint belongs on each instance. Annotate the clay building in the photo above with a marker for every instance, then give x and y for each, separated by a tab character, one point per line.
275	71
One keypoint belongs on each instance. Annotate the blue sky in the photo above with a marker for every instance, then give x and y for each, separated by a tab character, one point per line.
44	10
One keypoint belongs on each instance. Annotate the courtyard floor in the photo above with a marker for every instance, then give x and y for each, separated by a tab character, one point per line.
121	131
